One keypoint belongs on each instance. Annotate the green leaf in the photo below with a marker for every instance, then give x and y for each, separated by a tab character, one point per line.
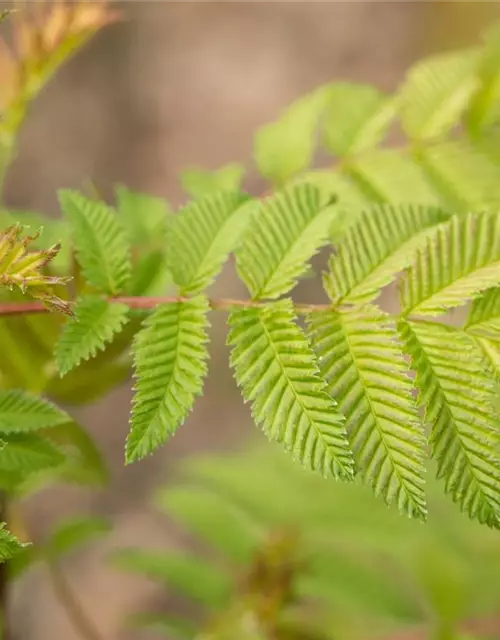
458	398
483	328
9	544
83	463
24	560
21	411
357	118
201	237
362	362
188	575
89	382
390	237
199	183
286	147
94	325
484	316
26	453
460	260
151	276
144	216
290	228
391	175
170	362
463	173
215	519
277	372
484	108
75	533
103	251
436	93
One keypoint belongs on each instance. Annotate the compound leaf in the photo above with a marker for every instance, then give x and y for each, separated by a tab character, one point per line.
170	355
277	372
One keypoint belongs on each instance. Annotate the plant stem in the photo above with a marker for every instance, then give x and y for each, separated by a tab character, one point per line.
81	622
223	304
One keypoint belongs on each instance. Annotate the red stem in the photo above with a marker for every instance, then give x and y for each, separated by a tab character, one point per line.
224	304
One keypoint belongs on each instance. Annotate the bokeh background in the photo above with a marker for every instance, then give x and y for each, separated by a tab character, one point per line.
176	84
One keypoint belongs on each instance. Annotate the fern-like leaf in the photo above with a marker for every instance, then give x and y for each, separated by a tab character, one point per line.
170	355
95	324
362	362
201	237
436	93
289	229
356	119
100	242
458	398
22	412
389	237
460	260
277	372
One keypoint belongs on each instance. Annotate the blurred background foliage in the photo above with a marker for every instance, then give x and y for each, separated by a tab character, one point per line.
163	87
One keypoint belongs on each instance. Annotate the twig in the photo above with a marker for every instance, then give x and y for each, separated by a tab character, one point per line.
223	304
81	622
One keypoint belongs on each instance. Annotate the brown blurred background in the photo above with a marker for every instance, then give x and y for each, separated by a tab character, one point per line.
173	85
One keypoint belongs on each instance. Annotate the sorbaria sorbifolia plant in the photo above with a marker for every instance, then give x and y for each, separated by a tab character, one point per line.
332	382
